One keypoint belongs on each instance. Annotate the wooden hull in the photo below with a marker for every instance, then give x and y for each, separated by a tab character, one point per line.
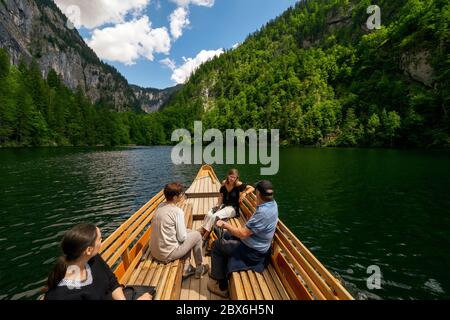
294	272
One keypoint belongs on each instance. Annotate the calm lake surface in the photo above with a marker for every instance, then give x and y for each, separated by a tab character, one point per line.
352	207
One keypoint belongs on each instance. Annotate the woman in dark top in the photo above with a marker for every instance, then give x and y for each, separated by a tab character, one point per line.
232	192
81	273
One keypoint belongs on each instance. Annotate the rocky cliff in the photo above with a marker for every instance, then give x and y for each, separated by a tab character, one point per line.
38	30
151	100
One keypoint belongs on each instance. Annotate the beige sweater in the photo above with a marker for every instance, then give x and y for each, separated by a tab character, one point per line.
169	231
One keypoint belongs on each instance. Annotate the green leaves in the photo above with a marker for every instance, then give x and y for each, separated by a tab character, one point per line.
4	63
316	73
321	79
35	112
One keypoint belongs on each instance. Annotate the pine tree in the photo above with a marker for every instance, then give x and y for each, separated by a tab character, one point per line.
372	129
4	63
24	117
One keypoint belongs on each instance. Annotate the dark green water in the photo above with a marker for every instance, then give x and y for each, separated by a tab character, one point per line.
353	208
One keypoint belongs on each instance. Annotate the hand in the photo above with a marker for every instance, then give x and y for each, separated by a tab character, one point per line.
145	296
220	223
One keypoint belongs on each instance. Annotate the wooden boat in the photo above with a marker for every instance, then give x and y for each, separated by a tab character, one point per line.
294	272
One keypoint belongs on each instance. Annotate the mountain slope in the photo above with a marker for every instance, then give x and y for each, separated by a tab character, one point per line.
37	30
152	100
319	75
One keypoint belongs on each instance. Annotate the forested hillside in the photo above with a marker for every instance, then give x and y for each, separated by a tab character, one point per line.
317	73
44	112
323	78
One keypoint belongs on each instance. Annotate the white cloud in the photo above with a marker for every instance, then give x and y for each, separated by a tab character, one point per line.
169	63
236	45
178	21
182	73
203	3
127	42
92	14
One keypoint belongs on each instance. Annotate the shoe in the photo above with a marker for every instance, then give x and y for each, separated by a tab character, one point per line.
189	272
200	271
213	286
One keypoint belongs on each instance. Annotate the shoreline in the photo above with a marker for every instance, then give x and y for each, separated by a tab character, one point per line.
443	148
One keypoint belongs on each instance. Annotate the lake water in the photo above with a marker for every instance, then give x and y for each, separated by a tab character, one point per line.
353	208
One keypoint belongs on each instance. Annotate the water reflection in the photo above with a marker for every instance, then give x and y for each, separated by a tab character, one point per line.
352	208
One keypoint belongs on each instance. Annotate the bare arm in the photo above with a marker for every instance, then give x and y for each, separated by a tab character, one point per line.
118	294
180	226
244	194
241	233
249	189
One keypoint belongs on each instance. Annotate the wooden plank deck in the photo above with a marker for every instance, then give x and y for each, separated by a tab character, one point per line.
195	289
294	272
204	185
148	272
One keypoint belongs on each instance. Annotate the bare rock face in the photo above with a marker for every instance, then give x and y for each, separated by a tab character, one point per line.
38	30
417	66
152	100
16	27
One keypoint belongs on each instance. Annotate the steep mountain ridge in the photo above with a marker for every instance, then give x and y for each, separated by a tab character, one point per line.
38	30
323	77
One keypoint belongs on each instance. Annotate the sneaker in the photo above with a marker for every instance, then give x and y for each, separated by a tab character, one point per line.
200	271
189	272
213	286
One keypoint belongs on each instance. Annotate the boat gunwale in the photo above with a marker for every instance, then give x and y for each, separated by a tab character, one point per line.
287	247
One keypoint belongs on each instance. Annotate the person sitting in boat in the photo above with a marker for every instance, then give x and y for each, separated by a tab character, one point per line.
81	273
170	240
232	192
245	248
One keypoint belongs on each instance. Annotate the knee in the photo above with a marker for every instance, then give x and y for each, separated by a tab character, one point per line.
215	247
197	236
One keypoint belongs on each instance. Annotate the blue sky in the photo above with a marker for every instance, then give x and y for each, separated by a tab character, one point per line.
136	35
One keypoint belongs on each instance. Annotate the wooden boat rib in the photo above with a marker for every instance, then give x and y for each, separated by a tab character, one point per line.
294	272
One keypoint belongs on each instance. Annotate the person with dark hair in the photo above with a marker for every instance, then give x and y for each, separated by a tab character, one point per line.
81	273
245	248
232	192
170	240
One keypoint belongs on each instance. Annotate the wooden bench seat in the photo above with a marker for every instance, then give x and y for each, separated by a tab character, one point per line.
165	277
133	263
250	285
294	273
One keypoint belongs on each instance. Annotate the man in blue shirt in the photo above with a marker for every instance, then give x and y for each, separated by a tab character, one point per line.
248	247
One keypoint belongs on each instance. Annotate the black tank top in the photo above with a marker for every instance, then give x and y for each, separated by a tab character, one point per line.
232	198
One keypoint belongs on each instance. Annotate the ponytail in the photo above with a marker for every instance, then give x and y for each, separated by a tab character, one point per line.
58	273
73	244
